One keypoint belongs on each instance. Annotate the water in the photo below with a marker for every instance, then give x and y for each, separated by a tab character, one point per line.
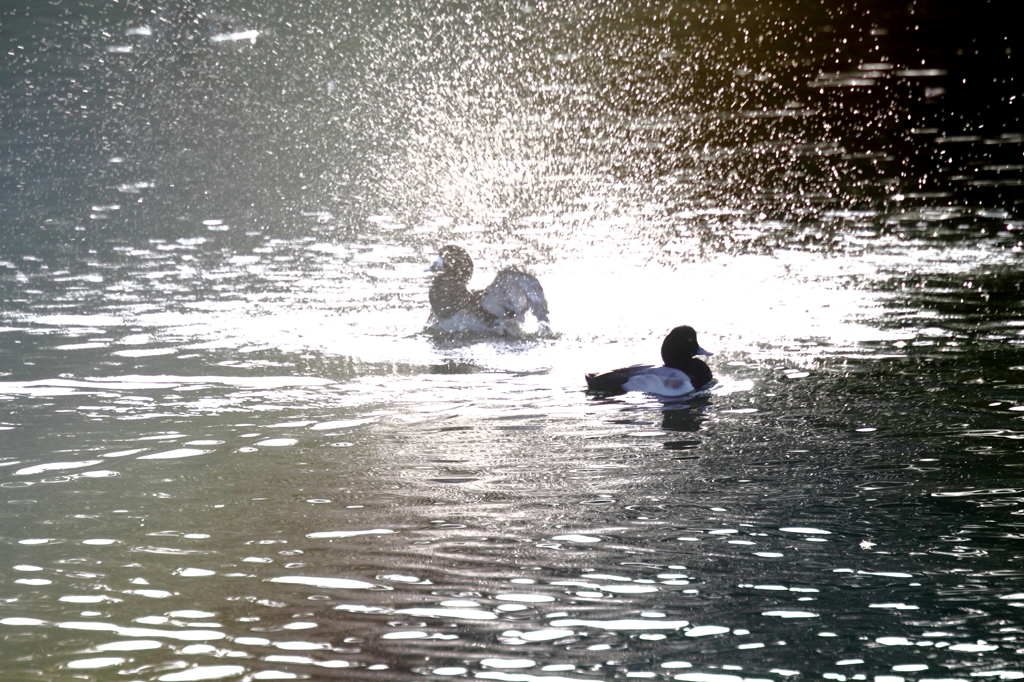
228	449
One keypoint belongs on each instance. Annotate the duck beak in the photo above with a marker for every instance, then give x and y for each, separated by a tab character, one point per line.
438	265
701	351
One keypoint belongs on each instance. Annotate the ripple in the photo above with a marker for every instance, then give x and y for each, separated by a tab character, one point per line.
88	599
328	583
192	635
576	538
539	635
93	663
465	614
144	352
176	454
207	672
894	641
806	531
194	572
130	645
508	663
527	598
405	634
56	466
301	646
979	647
706	630
342	424
151	594
623	624
348	533
708	677
629	589
14	621
191	614
252	641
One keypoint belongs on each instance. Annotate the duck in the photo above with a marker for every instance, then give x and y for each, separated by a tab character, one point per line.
500	309
681	374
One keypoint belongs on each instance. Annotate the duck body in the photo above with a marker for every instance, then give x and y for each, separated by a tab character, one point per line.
501	308
666	381
681	374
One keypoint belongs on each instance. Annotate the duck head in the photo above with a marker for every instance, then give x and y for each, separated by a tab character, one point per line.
679	346
455	263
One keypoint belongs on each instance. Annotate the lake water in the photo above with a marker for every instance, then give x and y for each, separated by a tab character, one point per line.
230	450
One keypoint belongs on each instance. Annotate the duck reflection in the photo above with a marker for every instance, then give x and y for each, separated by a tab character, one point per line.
451	366
683	418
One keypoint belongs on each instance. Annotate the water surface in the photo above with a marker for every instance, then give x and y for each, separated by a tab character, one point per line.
229	450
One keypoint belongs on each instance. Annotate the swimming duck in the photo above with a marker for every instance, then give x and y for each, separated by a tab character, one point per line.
681	374
501	308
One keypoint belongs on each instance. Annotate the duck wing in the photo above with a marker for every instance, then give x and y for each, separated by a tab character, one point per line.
512	294
615	380
663	381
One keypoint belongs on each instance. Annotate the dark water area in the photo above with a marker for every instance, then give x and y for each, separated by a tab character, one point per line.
229	448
